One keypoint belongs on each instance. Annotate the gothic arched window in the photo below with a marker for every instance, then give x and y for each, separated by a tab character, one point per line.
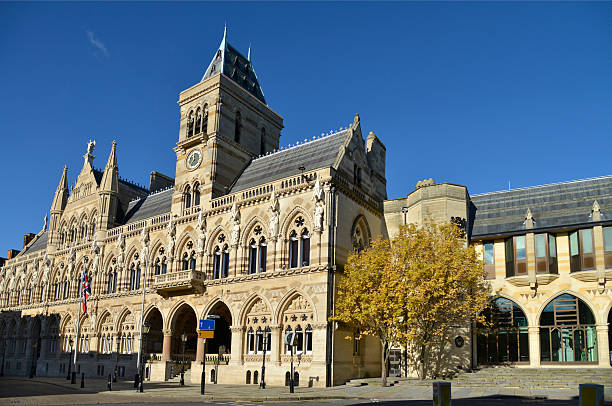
196	194
190	125
205	121
187	197
198	121
217	263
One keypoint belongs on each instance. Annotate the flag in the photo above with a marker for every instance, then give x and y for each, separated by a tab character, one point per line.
86	291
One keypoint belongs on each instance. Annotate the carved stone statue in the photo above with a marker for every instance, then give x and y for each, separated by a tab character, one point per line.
201	233
121	247
71	259
46	221
95	251
47	267
34	277
90	147
274	215
319	213
235	219
144	240
171	235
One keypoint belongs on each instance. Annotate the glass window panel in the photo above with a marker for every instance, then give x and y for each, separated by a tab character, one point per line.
552	246
540	245
488	253
587	241
520	247
607	231
573	237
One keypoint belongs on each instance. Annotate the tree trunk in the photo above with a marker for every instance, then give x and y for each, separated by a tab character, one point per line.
422	362
384	363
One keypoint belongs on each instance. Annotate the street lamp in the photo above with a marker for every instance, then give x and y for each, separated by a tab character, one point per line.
262	383
184	339
290	341
145	330
69	357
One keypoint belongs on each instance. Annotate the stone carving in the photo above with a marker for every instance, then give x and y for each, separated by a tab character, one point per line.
144	240
121	247
90	147
258	307
201	233
235	219
299	303
274	216
47	268
95	251
171	235
71	260
319	210
46	221
34	276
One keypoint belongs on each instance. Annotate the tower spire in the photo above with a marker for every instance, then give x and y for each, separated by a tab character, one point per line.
110	178
61	193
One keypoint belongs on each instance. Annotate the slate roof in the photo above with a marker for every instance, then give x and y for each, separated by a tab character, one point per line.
149	206
233	64
98	176
316	154
556	205
39	244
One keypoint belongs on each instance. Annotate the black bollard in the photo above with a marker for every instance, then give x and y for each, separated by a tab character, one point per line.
136	380
115	375
82	379
73	378
182	378
109	385
203	382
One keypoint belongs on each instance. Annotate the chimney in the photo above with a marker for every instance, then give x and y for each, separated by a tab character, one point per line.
12	254
159	181
27	238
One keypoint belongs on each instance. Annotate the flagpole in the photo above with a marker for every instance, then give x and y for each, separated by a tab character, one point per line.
76	344
140	372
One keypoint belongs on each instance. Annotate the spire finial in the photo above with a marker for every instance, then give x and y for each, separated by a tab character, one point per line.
249	53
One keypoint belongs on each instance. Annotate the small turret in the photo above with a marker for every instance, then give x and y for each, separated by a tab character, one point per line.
57	208
109	191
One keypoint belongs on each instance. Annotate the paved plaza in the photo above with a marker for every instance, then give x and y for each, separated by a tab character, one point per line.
54	391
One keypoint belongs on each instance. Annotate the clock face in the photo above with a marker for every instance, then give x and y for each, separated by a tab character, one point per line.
193	159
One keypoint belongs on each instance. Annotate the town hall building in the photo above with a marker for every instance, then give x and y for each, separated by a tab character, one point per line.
254	235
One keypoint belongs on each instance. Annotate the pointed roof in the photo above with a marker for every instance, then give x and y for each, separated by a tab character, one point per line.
234	65
110	178
61	193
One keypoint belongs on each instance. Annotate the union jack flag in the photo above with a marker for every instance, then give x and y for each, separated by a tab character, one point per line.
86	291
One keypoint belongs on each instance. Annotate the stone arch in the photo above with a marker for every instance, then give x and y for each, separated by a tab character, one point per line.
125	311
250	225
214	302
103	319
170	319
361	234
214	235
65	319
287	299
186	236
554	295
223	326
287	222
248	304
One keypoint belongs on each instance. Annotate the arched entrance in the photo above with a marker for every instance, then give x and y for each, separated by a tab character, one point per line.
567	331
184	322
503	337
223	334
155	339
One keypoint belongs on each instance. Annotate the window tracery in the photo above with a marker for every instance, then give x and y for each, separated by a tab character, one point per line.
221	258
299	244
297	318
258	331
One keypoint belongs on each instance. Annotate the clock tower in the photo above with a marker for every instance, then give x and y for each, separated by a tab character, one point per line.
225	123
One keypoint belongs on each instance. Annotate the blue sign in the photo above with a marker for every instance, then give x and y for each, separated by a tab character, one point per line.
206	325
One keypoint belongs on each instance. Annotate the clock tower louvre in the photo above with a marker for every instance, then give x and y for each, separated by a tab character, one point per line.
225	123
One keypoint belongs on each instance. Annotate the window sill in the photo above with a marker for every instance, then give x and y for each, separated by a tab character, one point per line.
585	276
546	278
522	280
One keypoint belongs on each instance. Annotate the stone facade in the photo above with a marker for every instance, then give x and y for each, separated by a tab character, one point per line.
255	235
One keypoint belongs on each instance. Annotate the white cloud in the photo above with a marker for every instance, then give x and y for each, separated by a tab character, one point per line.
98	44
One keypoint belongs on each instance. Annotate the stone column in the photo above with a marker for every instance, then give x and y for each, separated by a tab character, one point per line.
167	349
233	260
603	346
277	344
200	350
534	346
237	350
272	246
319	340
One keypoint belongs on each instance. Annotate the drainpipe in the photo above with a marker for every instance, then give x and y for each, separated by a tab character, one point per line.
331	227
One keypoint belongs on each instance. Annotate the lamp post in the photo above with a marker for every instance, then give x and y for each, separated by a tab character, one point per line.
262	383
145	330
69	358
184	339
289	341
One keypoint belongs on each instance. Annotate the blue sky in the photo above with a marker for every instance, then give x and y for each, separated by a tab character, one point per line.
472	93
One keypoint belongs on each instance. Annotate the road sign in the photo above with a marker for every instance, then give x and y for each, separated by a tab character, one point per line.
206	334
206	325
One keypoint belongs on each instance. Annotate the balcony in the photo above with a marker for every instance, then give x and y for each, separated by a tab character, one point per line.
179	283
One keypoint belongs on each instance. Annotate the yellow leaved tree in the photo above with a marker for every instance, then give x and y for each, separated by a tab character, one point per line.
417	288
